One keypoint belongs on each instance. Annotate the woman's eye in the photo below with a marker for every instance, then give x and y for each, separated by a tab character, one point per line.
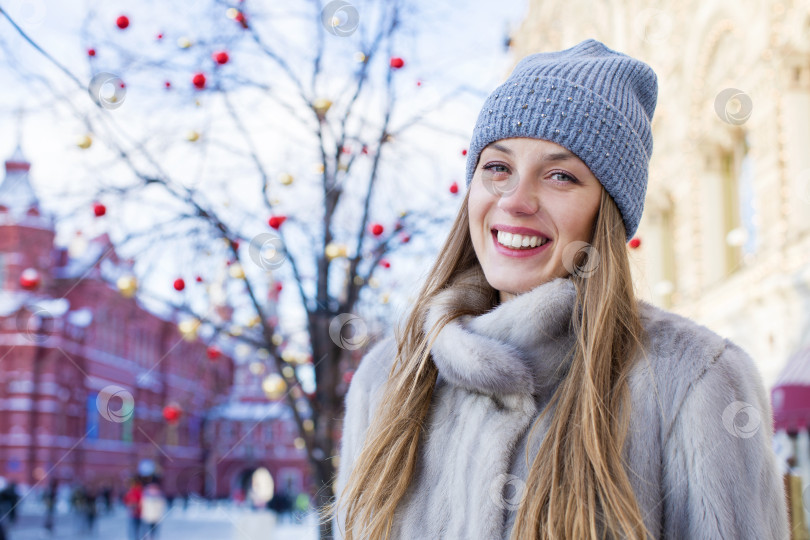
565	178
496	169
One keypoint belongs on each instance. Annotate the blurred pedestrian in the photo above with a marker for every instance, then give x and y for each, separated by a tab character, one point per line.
132	500
9	499
49	499
153	508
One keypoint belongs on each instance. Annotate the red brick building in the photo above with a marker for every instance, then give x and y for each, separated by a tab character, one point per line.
90	380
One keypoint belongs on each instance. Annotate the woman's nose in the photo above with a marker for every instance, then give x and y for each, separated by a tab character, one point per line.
521	198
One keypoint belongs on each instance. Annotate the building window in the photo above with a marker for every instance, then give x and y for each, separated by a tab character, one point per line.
739	233
92	416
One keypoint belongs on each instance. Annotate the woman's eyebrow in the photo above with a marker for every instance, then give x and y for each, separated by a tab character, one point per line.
561	155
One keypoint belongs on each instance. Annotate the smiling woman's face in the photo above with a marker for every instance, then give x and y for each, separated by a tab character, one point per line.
530	190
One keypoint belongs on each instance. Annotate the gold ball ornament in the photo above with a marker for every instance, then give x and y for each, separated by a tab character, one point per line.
257	368
373	283
236	271
286	179
384	298
318	168
252	323
127	285
299	443
84	142
321	106
274	386
193	136
231	13
309	425
334	250
188	329
288	372
184	42
358	280
235	331
287	355
277	339
359	57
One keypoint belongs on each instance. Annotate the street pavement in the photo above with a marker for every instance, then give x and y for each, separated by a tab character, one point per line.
197	522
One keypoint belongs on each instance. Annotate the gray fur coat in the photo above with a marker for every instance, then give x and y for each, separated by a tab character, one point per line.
698	450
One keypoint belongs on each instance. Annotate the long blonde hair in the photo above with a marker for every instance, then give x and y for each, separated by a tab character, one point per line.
577	484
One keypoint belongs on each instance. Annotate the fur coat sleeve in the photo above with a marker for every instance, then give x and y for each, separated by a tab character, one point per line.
360	403
720	476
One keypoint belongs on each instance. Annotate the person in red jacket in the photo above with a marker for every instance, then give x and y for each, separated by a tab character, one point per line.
132	499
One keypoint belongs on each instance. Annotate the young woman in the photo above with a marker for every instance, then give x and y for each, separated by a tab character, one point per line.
531	394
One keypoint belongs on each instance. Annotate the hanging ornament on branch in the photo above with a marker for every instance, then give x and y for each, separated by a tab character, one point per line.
220	57
122	22
127	286
30	279
198	80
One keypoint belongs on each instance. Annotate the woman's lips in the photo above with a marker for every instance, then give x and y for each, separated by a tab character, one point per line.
513	252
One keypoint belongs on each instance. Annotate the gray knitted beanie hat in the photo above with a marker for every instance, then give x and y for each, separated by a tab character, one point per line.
592	100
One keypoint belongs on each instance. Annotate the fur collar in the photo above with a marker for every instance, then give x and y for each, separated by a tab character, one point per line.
520	346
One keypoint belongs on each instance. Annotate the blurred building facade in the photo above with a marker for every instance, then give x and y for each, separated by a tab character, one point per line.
726	227
93	385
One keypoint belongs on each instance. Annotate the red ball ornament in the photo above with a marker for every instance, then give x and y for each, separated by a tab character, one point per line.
279	286
405	238
179	284
122	22
171	414
454	188
91	52
396	62
99	209
384	263
364	150
235	244
635	242
167	84
418	83
220	57
241	19
464	152
276	221
159	36
198	81
376	229
213	352
198	279
30	279
347	376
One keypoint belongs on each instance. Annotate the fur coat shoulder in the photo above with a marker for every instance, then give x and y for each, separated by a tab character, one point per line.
698	449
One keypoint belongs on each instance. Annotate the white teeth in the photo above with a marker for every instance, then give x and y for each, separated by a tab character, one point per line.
519	241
